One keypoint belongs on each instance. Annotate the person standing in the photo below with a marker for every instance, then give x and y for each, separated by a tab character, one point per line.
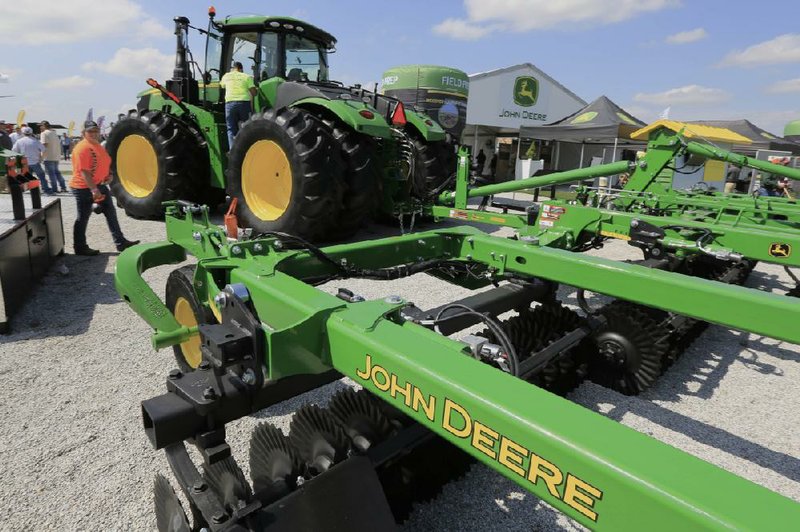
16	134
90	173
65	146
239	93
52	154
32	149
731	178
481	160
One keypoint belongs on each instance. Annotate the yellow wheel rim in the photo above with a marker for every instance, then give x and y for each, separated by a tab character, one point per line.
266	180
185	316
137	166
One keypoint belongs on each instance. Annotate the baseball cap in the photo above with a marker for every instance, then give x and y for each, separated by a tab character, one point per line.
44	123
90	124
27	131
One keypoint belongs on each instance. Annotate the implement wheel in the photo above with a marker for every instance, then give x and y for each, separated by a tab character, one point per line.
182	302
155	158
286	173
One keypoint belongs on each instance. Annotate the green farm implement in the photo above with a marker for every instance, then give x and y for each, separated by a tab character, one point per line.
647	211
316	158
250	328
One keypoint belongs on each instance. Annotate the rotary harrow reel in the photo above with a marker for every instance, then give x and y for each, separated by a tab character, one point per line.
251	329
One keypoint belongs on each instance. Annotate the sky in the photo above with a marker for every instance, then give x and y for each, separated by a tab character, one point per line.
704	59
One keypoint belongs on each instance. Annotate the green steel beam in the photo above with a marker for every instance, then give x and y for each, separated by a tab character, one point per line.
605	475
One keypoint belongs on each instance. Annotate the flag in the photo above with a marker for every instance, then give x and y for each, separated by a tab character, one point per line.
20	117
665	113
100	122
90	114
71	127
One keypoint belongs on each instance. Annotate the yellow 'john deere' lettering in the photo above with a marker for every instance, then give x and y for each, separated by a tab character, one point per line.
456	420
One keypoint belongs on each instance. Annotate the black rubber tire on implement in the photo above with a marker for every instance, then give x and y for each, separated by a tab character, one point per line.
304	161
180	288
178	163
435	162
362	179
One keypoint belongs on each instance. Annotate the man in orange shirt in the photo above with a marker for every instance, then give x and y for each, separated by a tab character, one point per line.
90	173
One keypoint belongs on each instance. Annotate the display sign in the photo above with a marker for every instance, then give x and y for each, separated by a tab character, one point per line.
518	96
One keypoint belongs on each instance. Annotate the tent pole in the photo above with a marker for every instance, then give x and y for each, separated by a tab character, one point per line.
581	162
613	159
475	142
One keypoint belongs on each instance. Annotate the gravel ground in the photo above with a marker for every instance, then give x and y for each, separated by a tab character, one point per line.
78	362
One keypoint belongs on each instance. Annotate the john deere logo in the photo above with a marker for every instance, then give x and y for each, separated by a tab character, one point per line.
588	116
526	90
781	250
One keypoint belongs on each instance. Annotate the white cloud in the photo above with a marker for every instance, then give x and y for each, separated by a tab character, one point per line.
71	82
141	63
57	21
688	95
782	49
685	37
461	30
487	16
788	85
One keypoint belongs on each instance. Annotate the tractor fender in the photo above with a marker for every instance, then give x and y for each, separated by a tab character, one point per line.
348	111
425	126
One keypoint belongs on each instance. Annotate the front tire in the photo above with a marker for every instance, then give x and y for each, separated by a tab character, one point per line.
155	158
285	170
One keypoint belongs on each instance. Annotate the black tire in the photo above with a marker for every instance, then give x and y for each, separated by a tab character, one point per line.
435	163
362	179
177	169
312	172
180	289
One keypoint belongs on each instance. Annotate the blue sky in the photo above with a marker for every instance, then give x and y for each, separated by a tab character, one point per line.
705	59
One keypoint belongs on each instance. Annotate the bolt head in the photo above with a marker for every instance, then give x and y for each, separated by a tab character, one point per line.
278	245
175	374
199	487
204	365
220	299
258	247
209	393
219	518
197	236
236	250
249	377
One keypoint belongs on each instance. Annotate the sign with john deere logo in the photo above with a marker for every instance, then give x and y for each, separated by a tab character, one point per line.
526	90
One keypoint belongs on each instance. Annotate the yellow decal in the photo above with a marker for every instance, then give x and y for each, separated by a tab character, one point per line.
456	420
611	234
780	250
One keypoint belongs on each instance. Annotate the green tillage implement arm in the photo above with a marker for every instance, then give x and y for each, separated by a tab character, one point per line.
605	475
726	226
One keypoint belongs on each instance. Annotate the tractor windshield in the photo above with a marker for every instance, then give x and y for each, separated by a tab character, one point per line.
306	60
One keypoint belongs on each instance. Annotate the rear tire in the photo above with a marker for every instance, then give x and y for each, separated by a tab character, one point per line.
184	305
435	163
362	179
155	158
286	173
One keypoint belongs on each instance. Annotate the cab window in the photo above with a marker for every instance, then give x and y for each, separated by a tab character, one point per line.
243	50
268	58
305	60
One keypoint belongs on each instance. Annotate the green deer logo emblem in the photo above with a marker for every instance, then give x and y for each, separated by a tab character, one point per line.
526	90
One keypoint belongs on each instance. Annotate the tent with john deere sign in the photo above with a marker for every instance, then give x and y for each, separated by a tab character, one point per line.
602	125
601	121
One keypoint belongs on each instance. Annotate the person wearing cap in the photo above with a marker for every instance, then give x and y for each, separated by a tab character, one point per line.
90	173
16	134
52	153
239	92
32	149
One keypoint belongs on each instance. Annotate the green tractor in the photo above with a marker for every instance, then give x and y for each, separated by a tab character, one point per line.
315	159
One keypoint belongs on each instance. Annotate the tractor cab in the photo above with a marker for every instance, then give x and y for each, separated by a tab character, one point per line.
269	48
